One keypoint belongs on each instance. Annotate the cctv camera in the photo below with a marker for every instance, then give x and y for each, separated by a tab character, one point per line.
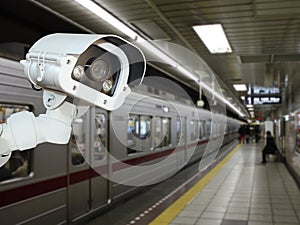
96	69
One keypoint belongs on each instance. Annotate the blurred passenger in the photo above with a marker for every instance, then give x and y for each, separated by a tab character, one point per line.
270	147
256	133
247	133
242	134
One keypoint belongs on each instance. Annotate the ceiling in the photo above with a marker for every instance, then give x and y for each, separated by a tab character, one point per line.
264	36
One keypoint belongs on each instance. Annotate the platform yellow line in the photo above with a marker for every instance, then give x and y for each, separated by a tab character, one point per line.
170	213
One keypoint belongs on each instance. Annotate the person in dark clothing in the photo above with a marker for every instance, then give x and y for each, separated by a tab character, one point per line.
242	134
256	133
247	133
270	147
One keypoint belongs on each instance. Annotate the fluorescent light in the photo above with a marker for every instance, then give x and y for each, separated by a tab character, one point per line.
243	98
249	106
213	36
109	18
240	87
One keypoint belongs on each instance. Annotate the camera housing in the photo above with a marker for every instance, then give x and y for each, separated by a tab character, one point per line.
94	69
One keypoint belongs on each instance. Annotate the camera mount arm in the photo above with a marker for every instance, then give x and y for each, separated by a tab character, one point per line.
24	131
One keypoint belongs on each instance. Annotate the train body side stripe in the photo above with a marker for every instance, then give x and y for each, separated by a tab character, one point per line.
31	190
28	191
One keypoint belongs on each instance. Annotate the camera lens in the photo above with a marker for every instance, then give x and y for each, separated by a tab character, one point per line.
100	70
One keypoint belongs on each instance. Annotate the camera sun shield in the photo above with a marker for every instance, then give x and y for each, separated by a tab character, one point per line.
93	68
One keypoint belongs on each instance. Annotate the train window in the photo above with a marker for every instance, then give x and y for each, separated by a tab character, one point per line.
100	137
166	128
138	133
183	130
157	132
215	129
20	163
178	130
78	141
145	127
202	129
194	130
132	132
208	128
145	133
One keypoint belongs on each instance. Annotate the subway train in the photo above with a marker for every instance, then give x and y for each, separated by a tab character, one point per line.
110	156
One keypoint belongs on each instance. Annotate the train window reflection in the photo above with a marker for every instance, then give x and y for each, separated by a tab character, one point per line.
157	131
208	128
166	125
181	130
145	133
78	141
194	130
132	132
178	130
162	132
202	129
138	134
100	137
20	163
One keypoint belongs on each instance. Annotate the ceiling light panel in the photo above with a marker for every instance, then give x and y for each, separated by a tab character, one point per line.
240	87
214	37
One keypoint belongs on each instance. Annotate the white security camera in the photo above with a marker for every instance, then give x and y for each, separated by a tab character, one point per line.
94	69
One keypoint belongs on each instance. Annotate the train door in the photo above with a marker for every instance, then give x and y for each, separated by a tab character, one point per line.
78	168
87	190
99	159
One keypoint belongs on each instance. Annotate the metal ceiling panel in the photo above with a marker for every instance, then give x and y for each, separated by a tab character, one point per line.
151	29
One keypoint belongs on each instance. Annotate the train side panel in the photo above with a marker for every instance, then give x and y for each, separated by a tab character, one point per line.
146	142
39	194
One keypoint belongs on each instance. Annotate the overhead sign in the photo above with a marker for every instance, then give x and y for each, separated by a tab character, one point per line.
258	95
261	100
258	90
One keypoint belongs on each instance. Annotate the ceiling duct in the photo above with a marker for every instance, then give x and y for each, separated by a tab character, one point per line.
286	58
254	59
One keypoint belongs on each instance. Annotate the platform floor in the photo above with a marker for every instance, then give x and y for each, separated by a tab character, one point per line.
238	191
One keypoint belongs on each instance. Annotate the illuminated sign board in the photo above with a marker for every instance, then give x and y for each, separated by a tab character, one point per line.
257	95
265	90
262	100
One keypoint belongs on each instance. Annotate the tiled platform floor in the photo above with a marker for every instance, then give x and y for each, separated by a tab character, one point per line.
245	192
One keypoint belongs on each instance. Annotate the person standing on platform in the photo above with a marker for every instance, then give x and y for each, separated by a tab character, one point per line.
256	133
242	134
247	133
270	147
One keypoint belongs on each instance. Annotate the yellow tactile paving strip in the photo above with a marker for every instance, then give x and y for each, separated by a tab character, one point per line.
171	212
